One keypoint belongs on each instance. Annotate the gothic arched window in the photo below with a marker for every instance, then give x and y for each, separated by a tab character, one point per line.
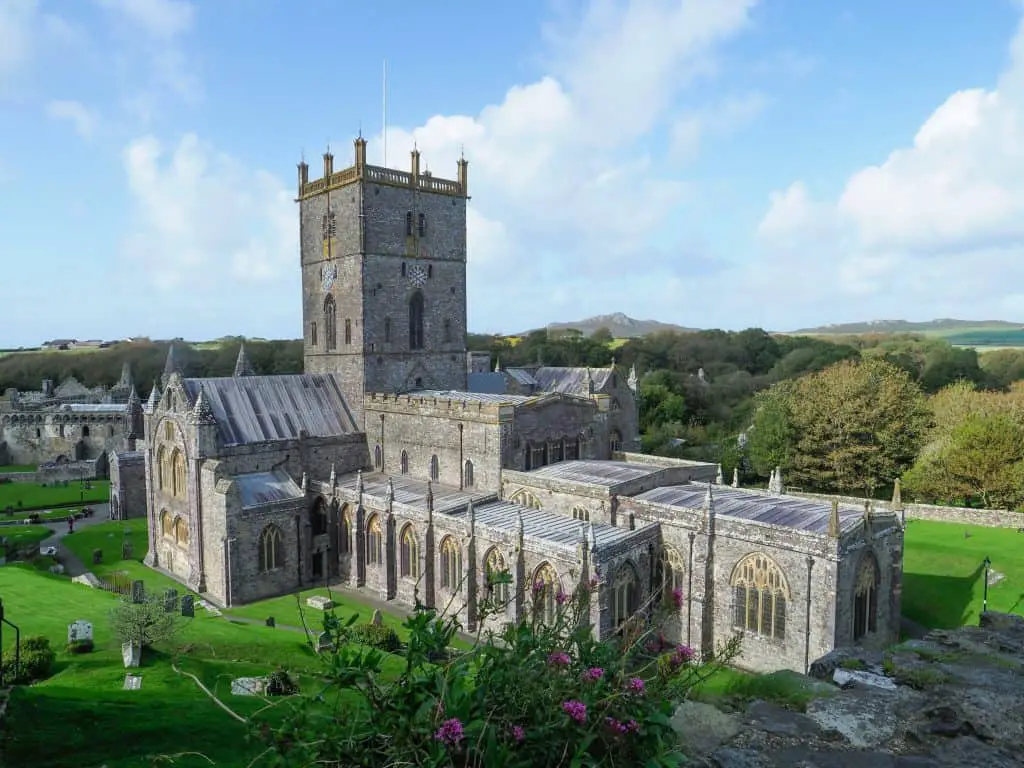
408	559
494	566
625	586
760	594
405	462
451	564
546	587
318	518
435	469
526	499
330	323
180	532
865	597
374	542
672	570
271	549
378	457
345	531
467	474
178	474
416	310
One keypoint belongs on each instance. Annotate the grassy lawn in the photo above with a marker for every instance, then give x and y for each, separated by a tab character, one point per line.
24	534
943	577
45	515
290	611
23	496
17	468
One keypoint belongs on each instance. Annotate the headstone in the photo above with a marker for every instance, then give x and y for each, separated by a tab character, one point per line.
319	602
323	642
378	617
97	556
132	682
188	609
58	569
80	630
248	686
170	600
271	622
89	579
138	592
126	550
131	654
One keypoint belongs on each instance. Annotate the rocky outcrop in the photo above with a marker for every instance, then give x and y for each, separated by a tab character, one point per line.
953	698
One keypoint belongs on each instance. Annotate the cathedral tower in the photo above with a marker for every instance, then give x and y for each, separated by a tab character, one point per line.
384	276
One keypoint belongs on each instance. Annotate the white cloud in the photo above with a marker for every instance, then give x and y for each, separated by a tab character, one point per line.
82	119
722	119
938	225
204	220
25	29
159	18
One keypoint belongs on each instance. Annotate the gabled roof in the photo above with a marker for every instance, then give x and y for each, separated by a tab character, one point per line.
569	381
255	409
258	488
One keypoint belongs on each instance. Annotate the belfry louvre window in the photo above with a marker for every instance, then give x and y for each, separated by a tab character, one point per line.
408	224
330	323
760	594
416	311
421	225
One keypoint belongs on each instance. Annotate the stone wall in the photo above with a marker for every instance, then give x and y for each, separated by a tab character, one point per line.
34	437
883	541
72	471
990	518
128	486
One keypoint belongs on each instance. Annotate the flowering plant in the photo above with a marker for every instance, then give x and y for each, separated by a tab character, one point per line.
533	693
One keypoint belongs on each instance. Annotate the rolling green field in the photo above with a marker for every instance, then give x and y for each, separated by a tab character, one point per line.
17	468
981	338
35	496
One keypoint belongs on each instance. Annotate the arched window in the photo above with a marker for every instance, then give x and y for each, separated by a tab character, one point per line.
345	531
581	513
467	474
178	471
435	469
378	457
374	542
416	310
318	518
408	227
271	549
865	597
167	524
312	334
421	224
625	589
408	558
615	441
494	565
526	499
85	431
330	323
403	269
348	331
451	565
545	587
760	593
168	431
387	330
672	570
405	462
570	449
162	476
180	532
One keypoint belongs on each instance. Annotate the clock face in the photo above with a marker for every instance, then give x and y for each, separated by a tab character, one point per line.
330	275
417	276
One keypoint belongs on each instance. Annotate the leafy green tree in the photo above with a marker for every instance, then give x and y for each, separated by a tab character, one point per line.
771	440
602	336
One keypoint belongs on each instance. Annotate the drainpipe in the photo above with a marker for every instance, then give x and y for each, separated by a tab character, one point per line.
807	628
689	591
462	478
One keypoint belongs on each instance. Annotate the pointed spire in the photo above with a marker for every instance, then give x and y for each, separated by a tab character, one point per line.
520	525
771	482
897	496
833	520
592	536
243	367
334	477
126	380
471	513
868	510
719	479
708	499
359	483
171	364
201	411
305	482
430	496
497	365
779	487
583	534
133	400
735	477
632	382
389	495
589	382
154	397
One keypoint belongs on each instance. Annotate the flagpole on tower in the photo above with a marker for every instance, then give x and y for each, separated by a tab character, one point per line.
384	137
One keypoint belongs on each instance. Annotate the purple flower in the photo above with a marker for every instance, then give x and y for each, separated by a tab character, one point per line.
561	597
450	732
677	597
683	654
593	674
518	733
538	586
559	659
635	685
575	709
621	728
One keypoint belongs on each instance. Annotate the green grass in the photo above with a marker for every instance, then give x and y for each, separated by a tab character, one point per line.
23	496
24	534
43	514
943	576
987	337
17	468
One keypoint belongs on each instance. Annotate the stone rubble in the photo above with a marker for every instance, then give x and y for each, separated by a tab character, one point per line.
952	699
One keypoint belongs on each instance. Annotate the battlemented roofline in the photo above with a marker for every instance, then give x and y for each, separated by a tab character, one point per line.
362	171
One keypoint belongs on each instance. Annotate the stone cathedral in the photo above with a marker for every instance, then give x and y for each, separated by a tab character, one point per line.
401	466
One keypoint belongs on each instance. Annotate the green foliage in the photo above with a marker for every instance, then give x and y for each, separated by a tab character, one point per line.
280	683
35	662
144	624
772	438
376	636
79	646
533	694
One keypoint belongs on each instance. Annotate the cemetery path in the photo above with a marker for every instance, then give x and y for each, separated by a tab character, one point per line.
72	565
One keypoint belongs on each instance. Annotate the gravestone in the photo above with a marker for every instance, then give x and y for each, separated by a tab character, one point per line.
378	617
248	686
97	556
188	608
323	642
79	630
319	602
126	550
138	592
170	600
271	622
132	682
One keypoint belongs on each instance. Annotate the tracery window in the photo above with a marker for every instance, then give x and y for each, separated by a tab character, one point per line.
163	476
615	441
330	323
625	592
271	549
416	311
865	597
545	586
467	474
318	519
581	513
178	474
760	594
167	524
571	449
180	532
451	564
672	571
408	559
345	531
494	564
526	499
374	542
378	457
405	462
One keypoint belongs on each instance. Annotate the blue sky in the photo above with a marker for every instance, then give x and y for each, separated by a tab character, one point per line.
716	163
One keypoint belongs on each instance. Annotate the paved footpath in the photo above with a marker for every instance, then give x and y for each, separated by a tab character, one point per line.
72	565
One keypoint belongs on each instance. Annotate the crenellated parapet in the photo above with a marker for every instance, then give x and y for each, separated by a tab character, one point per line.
467	408
423	181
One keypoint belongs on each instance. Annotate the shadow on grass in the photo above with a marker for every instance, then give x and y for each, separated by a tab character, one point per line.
942	602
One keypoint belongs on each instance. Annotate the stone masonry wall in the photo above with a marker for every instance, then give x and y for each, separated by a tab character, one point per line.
991	518
127	488
72	471
884	541
37	437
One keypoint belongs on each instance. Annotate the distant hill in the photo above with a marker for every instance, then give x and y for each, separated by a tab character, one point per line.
621	325
942	327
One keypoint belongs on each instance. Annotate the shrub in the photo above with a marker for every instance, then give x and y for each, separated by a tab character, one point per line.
533	694
80	646
376	636
145	623
280	683
37	659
